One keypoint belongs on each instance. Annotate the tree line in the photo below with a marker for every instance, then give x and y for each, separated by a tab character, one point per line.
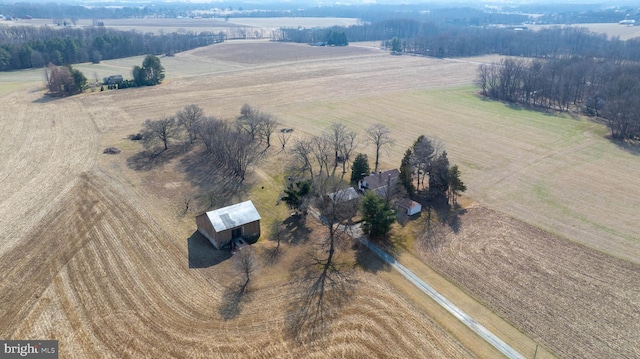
23	47
448	40
596	87
231	147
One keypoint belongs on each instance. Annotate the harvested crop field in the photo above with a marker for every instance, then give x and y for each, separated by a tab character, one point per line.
577	302
109	257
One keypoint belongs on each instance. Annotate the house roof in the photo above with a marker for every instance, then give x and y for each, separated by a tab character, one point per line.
233	216
407	203
344	195
379	180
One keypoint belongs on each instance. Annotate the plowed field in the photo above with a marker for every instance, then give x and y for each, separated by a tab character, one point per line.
580	302
93	253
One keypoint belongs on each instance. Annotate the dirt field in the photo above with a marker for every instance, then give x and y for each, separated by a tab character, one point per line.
108	258
94	255
539	281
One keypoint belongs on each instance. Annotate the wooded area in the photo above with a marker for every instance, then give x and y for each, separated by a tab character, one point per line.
23	47
597	87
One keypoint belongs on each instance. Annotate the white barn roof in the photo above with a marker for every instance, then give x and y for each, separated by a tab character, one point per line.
233	216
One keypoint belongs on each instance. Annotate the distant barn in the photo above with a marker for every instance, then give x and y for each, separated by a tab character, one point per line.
223	225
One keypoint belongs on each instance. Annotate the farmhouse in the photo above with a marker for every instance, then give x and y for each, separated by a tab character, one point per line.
344	195
113	79
223	225
379	182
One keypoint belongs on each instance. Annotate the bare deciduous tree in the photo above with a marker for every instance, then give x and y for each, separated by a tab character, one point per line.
209	128
189	118
325	283
303	156
268	124
230	147
343	142
348	146
244	263
163	130
380	136
284	135
249	120
322	153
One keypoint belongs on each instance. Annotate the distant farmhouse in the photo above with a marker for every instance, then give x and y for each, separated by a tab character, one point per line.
223	225
112	80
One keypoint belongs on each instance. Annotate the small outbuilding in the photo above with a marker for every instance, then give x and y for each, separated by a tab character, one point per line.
409	206
223	225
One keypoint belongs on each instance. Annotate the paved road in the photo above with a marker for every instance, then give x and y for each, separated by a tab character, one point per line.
503	347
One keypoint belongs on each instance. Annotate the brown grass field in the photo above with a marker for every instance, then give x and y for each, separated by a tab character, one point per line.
94	254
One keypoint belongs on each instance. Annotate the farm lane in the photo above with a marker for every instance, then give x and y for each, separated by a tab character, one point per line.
356	233
479	329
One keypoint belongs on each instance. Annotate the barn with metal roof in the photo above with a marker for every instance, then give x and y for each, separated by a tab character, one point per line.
223	225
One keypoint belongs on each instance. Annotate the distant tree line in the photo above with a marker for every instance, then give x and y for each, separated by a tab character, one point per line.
24	47
446	40
427	12
599	87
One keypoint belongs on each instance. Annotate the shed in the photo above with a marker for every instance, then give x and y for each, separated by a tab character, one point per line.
222	225
411	207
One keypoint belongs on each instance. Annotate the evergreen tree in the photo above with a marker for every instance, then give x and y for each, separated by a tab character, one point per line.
377	215
296	194
396	45
439	175
456	186
360	167
405	177
79	80
150	74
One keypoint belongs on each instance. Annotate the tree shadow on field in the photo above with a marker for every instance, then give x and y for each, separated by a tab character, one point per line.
369	261
232	302
202	254
632	147
46	99
320	287
217	187
149	159
297	230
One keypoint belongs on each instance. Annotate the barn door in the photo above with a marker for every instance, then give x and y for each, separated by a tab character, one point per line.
236	233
